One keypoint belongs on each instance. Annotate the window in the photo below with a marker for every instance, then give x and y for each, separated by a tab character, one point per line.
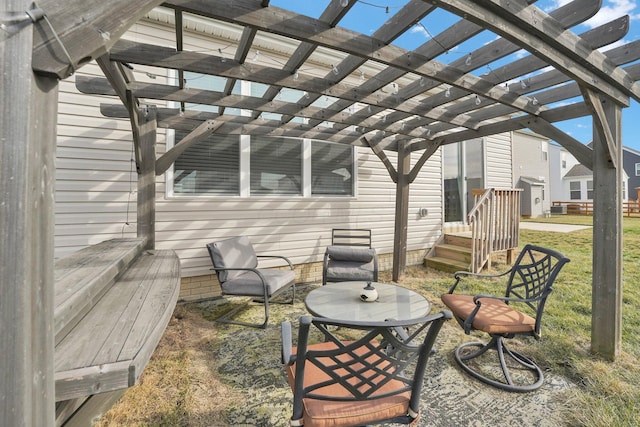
590	190
331	168
247	166
564	164
216	166
574	190
637	169
276	166
208	167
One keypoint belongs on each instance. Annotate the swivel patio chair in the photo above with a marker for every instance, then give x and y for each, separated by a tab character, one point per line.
350	257
518	312
236	265
373	378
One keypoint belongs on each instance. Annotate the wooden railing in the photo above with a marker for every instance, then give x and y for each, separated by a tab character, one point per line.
495	224
630	208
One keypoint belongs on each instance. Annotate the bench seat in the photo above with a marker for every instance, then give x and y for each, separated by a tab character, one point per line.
82	278
107	349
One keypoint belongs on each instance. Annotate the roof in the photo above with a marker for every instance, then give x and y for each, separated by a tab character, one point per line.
532	181
578	170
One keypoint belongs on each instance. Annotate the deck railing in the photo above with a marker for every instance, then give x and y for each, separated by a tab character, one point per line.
494	222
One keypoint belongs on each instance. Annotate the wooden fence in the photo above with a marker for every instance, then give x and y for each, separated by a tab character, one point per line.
575	207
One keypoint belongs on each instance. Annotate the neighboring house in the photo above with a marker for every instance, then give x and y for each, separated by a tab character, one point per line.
578	184
560	162
631	162
531	172
285	202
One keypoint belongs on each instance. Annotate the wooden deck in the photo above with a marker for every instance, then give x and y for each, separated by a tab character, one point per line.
113	302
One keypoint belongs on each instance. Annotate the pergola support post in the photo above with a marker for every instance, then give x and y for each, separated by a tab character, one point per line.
402	211
28	117
606	323
145	140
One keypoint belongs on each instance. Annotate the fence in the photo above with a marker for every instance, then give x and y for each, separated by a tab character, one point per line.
575	207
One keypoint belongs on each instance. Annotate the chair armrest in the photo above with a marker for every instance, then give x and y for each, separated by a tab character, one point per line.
286	351
278	256
459	275
476	300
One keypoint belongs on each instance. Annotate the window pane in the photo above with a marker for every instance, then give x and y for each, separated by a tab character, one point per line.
331	169
276	166
574	188
210	166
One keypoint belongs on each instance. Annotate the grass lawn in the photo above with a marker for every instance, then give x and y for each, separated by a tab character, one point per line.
610	389
182	386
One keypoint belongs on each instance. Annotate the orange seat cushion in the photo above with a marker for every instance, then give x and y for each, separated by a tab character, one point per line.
327	413
494	316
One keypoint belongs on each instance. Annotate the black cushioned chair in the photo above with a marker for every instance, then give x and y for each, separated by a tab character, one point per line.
236	265
372	378
518	312
350	257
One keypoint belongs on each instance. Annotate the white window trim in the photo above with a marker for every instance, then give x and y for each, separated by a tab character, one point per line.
245	165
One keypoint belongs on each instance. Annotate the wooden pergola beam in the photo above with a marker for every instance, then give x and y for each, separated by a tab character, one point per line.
288	24
593	66
146	54
602	126
198	134
86	29
374	143
525	30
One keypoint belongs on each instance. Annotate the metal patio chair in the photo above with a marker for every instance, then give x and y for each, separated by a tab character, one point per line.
350	257
236	265
518	312
376	377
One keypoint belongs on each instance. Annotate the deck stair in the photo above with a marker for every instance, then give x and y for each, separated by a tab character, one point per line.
452	253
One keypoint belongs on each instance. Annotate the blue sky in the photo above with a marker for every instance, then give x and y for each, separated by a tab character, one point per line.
368	15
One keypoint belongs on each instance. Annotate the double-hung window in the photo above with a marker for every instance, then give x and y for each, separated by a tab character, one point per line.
574	190
216	166
255	166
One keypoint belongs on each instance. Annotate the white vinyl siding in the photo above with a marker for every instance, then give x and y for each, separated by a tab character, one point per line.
498	161
96	190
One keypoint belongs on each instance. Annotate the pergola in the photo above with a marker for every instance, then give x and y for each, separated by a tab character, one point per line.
437	103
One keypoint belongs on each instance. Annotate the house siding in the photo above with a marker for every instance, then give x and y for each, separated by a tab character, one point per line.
531	159
96	196
498	155
629	159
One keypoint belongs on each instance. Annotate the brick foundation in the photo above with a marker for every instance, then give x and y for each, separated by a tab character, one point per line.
198	288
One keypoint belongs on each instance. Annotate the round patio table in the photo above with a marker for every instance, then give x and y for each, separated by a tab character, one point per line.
341	301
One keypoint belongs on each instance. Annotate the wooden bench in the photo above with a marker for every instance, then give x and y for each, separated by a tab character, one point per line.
113	302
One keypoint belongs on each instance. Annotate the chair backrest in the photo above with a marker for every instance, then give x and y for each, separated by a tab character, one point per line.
532	277
236	252
373	365
351	237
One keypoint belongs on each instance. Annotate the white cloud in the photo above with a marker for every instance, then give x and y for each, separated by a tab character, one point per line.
614	9
611	10
419	30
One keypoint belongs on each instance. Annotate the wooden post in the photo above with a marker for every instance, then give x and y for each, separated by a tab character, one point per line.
606	322
28	117
402	211
146	135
